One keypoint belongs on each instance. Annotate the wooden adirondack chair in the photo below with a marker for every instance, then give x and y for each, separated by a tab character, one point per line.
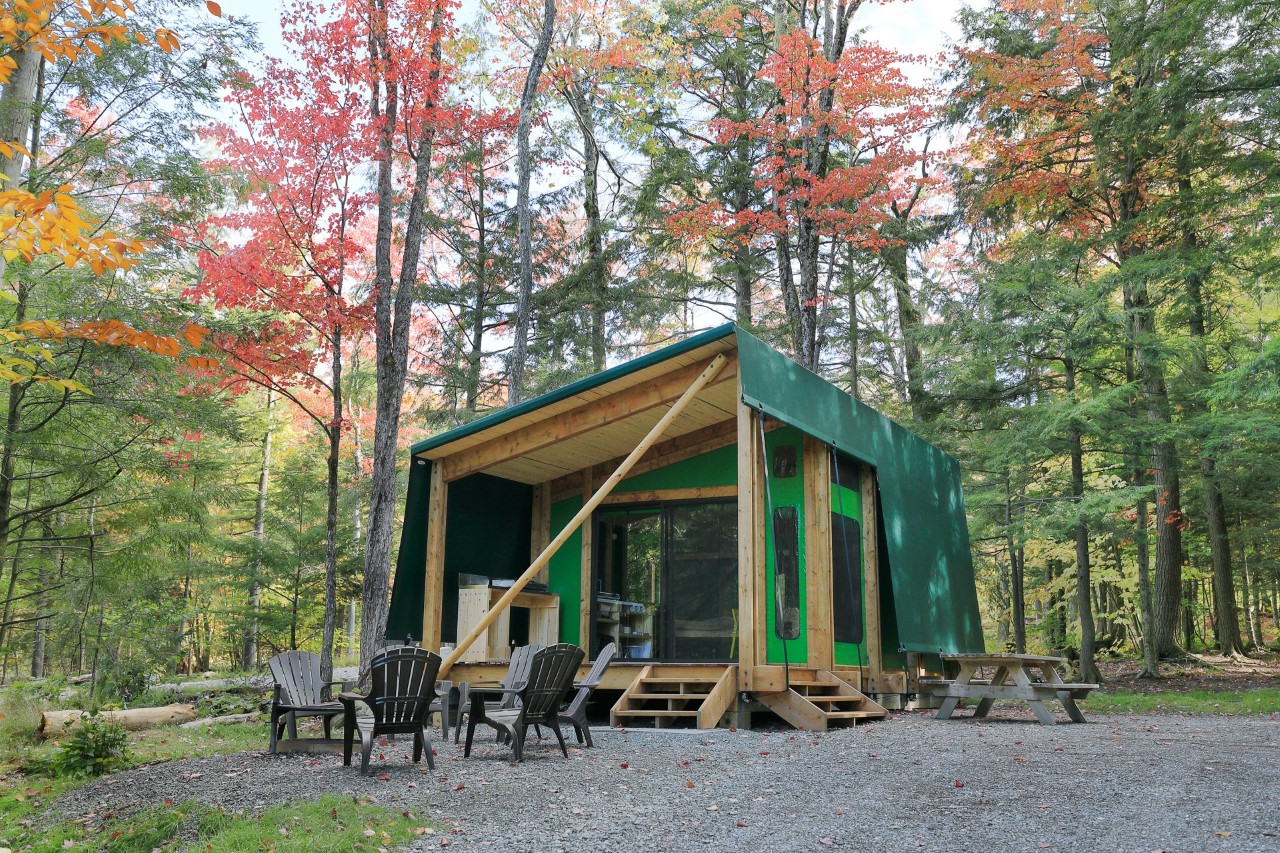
576	714
517	672
537	702
402	686
299	692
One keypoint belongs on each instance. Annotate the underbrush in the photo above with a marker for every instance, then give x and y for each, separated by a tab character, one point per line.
331	823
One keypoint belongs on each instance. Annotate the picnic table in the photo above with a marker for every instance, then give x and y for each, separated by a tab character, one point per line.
1031	678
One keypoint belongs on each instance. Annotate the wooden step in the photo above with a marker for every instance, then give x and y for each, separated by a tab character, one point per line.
805	708
703	694
709	682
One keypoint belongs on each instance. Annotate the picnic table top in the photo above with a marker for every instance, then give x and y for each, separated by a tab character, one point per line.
1002	658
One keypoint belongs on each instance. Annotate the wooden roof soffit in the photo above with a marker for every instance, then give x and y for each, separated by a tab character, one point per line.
709	373
578	421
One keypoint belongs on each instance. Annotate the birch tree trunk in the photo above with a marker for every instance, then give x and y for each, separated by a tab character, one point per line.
250	650
524	168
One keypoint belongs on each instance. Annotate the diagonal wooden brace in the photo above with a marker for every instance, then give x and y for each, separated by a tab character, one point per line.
714	367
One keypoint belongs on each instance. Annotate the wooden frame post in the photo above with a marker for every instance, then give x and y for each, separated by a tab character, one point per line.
540	524
749	508
817	553
587	598
713	368
871	582
433	584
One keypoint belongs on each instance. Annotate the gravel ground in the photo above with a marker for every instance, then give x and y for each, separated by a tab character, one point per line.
1125	783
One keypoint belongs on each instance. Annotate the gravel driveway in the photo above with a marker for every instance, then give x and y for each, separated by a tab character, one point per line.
1124	783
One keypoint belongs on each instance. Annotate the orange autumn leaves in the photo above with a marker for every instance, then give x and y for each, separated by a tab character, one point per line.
51	225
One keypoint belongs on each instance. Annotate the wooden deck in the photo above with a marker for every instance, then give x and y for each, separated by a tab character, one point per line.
636	680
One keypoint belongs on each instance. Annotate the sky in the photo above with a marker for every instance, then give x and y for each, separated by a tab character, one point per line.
909	26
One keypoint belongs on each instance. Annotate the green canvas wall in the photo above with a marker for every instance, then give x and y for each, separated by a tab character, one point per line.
925	531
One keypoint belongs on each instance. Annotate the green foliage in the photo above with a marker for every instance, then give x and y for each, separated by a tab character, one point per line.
228	702
20	707
127	680
95	746
329	824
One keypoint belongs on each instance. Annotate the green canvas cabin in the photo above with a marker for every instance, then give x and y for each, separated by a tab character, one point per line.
675	464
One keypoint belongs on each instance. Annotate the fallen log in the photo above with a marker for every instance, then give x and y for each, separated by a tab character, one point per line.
54	723
226	718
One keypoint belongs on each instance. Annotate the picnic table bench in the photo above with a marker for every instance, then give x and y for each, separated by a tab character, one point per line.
1031	678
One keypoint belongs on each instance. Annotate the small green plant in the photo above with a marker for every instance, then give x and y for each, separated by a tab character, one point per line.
96	746
20	706
127	679
221	704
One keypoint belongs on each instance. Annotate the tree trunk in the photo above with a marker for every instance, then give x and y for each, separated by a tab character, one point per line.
17	102
895	261
250	651
1150	654
476	344
524	169
42	624
1018	601
1088	671
1164	463
392	307
1248	593
334	434
579	93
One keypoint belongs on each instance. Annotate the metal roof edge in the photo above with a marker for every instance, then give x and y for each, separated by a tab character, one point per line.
584	384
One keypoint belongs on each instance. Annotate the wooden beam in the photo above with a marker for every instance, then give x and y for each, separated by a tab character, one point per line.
692	493
540	524
666	453
575	422
717	364
748	500
871	582
817	552
587	592
433	583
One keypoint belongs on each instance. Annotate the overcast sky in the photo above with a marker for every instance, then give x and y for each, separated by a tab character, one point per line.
910	26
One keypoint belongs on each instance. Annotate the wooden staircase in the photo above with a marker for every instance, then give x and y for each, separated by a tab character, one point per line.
819	700
670	694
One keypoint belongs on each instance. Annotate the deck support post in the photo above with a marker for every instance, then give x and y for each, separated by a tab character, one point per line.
750	559
714	367
433	585
817	553
871	582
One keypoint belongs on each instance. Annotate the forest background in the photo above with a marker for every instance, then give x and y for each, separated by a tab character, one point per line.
234	292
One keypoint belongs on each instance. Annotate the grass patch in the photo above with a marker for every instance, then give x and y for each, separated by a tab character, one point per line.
25	796
1244	702
331	823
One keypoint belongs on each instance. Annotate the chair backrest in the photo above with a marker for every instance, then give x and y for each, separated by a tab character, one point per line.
588	685
402	685
298	674
518	671
551	675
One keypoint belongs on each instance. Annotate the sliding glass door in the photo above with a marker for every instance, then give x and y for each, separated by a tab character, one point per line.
667	581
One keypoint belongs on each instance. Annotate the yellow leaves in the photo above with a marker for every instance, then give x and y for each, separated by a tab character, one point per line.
52	223
166	40
195	334
58	30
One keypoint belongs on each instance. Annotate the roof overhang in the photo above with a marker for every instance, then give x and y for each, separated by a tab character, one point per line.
596	420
